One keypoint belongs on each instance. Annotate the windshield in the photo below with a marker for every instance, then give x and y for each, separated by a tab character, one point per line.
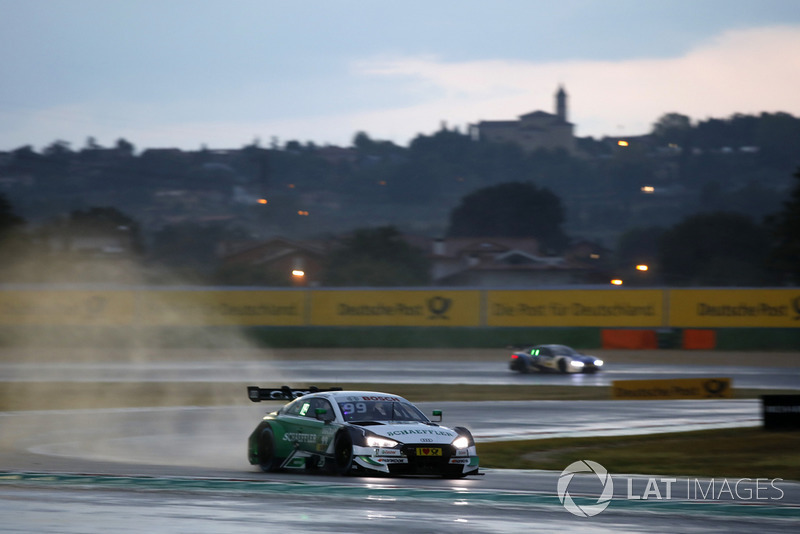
381	411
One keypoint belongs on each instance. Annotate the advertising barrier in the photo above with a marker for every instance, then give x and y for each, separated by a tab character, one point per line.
747	308
65	307
395	308
605	308
219	308
613	309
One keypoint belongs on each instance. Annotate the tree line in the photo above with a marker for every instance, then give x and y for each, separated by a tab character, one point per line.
182	202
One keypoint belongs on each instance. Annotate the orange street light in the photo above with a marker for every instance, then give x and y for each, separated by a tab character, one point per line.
622	142
642	268
262	201
616	282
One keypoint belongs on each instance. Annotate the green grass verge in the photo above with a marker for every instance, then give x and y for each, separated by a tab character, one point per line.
736	452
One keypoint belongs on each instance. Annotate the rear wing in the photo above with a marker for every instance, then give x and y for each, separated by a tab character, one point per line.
257	394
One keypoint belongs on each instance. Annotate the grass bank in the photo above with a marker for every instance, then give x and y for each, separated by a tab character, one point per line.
731	452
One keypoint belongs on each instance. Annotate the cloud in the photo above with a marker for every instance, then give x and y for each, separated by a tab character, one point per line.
397	98
742	71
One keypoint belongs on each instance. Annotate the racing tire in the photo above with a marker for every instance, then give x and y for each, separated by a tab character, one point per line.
266	452
343	453
562	365
523	367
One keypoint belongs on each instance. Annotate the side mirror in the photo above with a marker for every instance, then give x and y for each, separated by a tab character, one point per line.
438	413
323	415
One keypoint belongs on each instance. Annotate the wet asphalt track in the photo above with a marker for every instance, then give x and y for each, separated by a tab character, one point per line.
184	469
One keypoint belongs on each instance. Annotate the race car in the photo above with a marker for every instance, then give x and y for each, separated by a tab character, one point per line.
356	432
553	359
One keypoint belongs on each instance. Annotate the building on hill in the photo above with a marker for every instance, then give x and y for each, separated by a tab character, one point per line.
537	130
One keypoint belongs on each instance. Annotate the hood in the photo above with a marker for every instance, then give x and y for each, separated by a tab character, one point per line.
415	433
585	358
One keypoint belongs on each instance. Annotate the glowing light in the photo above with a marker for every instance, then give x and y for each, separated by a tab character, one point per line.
382	182
622	142
642	268
616	282
648	189
298	273
304	213
290	186
262	200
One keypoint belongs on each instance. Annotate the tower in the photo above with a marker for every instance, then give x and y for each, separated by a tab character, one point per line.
561	104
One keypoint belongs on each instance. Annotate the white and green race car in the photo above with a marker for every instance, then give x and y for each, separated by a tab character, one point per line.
356	432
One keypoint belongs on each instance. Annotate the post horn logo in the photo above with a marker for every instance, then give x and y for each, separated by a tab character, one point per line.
586	510
438	306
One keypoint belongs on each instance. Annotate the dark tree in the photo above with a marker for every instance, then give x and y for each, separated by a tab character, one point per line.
9	221
715	249
377	257
785	225
511	210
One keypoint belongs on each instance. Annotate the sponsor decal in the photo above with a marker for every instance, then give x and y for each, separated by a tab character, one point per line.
420	431
299	437
459	461
429	451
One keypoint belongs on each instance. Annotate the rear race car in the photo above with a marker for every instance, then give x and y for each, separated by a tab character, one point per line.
553	359
356	432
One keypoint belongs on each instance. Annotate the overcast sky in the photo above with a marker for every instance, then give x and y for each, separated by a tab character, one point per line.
189	73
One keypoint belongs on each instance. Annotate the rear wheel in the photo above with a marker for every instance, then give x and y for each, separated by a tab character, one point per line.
343	453
266	451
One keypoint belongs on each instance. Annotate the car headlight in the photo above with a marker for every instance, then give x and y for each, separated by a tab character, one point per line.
598	363
461	442
574	363
379	442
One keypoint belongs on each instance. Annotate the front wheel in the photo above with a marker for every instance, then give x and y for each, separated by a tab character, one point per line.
266	451
343	453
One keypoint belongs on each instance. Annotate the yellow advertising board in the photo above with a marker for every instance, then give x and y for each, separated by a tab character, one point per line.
742	308
66	307
590	307
395	308
218	308
671	388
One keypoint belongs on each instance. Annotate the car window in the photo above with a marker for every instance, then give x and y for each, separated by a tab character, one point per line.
316	404
298	407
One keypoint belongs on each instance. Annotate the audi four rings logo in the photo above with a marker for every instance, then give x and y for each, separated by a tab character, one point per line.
586	510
